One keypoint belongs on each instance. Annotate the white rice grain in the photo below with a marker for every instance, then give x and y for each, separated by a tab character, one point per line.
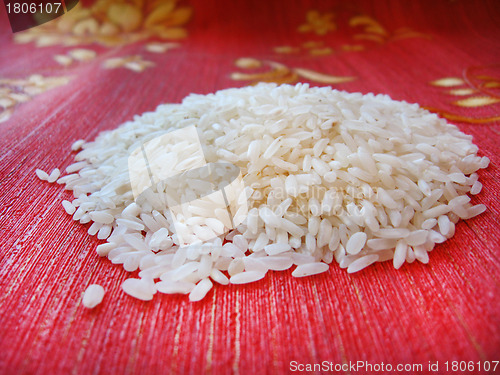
138	288
276	248
217	276
400	254
42	175
176	287
475	210
54	175
356	243
361	263
68	207
476	188
247	277
93	296
277	263
200	290
309	269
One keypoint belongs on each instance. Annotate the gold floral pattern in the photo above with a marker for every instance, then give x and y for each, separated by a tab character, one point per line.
16	91
111	23
280	73
318	23
478	87
363	29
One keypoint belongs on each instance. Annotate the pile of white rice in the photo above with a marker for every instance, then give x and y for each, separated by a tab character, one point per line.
328	175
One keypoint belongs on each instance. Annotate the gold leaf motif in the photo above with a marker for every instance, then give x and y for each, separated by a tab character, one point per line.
6	102
179	16
448	82
455	117
274	76
372	37
65	24
371	25
109	40
114	62
237	76
248	63
477	101
160	47
63	60
279	74
462	92
321	51
19	98
409	34
376	29
320	77
353	47
286	49
484	77
134	63
135	66
170	32
312	44
492	85
85	27
159	14
362	20
78	54
5	115
126	16
23	38
82	54
107	28
46	40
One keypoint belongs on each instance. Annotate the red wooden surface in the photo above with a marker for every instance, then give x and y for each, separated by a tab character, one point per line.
444	311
